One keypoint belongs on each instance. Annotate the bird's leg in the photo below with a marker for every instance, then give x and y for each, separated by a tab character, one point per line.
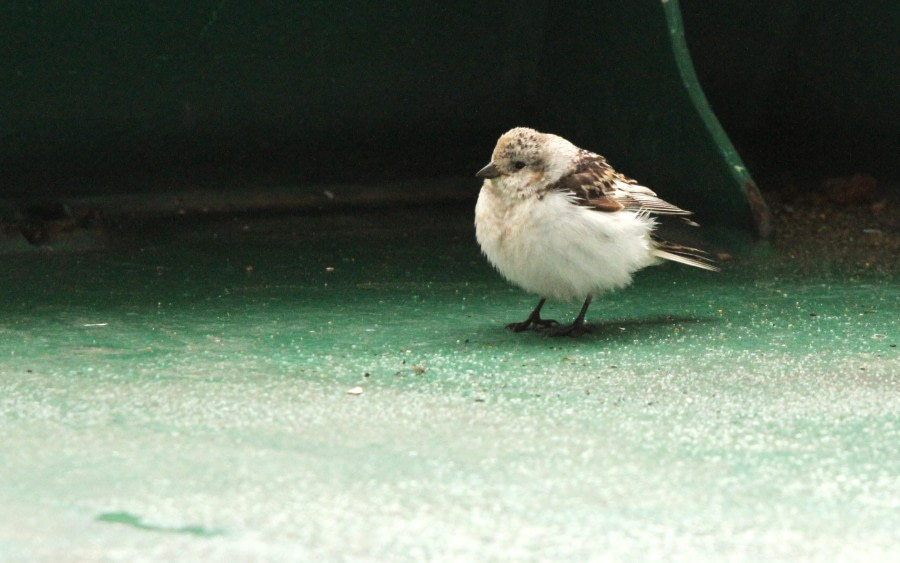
578	326
533	319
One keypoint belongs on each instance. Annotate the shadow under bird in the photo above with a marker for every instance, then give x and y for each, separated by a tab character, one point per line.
560	222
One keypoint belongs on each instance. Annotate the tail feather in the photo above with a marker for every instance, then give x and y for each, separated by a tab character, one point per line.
684	255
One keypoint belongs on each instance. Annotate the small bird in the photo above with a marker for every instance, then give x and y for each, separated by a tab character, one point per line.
560	222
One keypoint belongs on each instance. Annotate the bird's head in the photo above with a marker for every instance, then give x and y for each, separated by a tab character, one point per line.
525	161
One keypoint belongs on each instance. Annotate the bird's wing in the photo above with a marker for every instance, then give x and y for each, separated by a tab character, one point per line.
595	184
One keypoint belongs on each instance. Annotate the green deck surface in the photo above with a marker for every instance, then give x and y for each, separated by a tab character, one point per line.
183	395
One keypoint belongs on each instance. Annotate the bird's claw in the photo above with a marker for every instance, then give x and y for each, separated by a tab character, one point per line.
519	327
543	324
574	330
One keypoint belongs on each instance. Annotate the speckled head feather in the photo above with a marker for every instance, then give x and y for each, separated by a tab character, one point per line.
527	160
519	144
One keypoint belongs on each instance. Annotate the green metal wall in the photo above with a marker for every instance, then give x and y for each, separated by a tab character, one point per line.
322	90
96	95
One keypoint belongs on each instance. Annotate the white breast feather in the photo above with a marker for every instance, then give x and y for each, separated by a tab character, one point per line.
555	249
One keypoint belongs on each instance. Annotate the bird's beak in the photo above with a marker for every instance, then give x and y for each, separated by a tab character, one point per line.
489	171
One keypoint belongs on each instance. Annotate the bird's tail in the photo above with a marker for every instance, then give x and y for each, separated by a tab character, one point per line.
683	255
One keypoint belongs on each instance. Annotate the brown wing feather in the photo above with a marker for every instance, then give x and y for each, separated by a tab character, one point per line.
595	184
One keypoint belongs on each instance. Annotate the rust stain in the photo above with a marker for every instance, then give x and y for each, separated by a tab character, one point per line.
759	210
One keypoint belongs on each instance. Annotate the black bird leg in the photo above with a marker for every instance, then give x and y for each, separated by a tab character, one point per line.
533	319
578	327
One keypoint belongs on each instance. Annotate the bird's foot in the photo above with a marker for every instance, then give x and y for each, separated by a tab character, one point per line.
545	324
574	330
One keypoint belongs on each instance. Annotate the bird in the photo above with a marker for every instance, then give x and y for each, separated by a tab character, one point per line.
561	223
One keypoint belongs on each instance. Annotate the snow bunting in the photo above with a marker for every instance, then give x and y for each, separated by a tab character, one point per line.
560	222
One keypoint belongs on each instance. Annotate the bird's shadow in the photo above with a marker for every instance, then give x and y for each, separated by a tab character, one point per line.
606	330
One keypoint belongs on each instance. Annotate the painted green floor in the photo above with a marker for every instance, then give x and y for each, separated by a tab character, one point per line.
183	395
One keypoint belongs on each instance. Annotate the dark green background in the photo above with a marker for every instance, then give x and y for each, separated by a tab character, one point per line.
95	95
808	88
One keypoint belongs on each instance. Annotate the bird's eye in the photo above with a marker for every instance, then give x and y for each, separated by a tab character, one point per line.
519	165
